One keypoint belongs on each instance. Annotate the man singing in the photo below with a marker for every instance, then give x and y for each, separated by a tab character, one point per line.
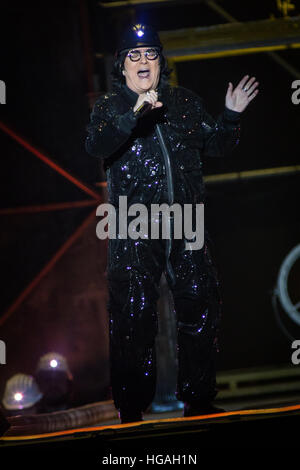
152	138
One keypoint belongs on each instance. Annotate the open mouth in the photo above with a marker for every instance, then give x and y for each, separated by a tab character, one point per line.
144	73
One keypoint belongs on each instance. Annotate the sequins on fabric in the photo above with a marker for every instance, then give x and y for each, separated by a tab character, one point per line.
134	164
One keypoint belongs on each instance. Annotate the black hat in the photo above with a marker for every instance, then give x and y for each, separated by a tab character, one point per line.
138	35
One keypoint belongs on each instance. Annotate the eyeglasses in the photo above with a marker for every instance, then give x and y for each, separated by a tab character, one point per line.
135	55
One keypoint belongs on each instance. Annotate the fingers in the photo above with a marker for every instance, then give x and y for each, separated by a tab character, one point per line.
247	84
149	97
229	89
243	82
250	89
152	96
250	98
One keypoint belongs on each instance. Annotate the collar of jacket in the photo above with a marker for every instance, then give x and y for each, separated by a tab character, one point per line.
129	95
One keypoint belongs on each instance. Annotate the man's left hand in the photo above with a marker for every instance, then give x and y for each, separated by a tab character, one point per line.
238	99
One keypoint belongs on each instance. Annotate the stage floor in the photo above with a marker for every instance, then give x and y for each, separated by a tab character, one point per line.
263	422
258	402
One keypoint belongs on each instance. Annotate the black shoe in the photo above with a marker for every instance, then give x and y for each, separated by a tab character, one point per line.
201	409
130	417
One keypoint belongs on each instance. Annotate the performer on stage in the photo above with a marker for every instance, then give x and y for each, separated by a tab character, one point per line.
152	138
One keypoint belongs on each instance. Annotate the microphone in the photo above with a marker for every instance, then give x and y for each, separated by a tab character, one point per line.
143	109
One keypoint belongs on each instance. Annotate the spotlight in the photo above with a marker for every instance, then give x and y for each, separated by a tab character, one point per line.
21	395
18	396
53	363
55	381
139	30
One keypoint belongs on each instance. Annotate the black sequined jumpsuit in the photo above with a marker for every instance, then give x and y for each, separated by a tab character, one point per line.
153	159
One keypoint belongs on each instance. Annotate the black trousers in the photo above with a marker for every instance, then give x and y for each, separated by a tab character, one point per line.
134	270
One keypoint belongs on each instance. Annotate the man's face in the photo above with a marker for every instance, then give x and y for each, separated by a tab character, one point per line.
142	75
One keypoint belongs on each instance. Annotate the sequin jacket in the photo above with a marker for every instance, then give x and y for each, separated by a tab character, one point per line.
158	157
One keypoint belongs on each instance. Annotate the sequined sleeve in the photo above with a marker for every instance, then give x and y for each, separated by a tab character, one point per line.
108	130
222	135
216	137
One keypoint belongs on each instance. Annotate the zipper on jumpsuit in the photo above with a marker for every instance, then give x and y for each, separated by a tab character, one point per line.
170	187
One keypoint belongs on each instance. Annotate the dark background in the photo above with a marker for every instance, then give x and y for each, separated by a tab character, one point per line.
52	76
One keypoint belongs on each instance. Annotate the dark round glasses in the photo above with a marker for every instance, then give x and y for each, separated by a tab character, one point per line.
135	54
